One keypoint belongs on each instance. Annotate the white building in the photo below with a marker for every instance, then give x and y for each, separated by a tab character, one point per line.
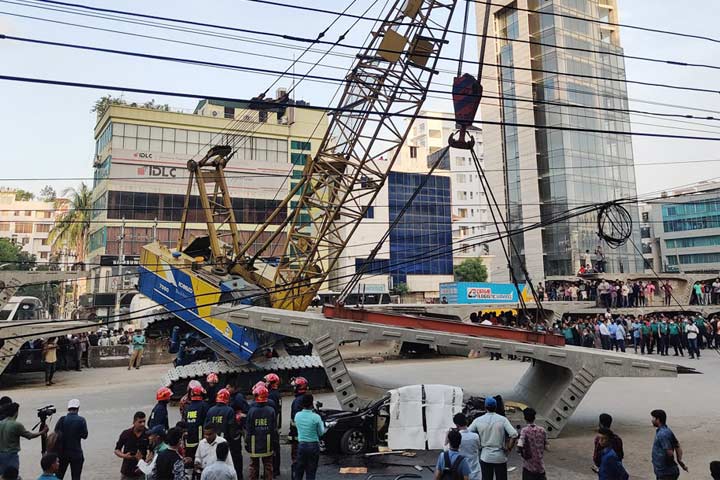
28	223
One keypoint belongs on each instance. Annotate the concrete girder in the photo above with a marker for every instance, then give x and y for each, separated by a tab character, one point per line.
555	383
33	330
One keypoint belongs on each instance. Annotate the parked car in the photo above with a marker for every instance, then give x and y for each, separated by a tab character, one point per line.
366	429
353	433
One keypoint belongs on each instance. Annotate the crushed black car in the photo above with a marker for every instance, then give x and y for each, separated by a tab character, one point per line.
366	429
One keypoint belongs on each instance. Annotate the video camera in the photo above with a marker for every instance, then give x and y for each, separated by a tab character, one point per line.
44	412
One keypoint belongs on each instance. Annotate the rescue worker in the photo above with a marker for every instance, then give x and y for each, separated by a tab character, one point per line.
221	415
241	407
300	387
272	381
159	414
185	400
212	388
195	415
260	430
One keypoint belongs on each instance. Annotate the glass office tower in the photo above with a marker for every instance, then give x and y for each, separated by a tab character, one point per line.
559	81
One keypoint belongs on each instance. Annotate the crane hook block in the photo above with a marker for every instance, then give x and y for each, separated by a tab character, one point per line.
466	93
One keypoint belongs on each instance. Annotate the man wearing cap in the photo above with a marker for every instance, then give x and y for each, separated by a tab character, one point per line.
72	429
497	438
156	437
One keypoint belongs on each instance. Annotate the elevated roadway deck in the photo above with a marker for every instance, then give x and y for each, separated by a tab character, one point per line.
33	330
11	280
555	383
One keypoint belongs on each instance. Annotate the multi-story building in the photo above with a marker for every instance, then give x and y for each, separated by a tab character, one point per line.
446	223
28	223
141	172
471	227
546	70
683	229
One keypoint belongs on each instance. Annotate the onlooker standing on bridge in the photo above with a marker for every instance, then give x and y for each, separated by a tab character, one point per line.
649	293
49	356
620	337
604	335
716	291
666	451
138	345
72	429
667	291
674	335
493	430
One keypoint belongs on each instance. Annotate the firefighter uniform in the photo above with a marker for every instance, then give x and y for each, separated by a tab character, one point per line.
195	415
260	429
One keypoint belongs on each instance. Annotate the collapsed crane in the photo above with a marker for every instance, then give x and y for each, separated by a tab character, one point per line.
387	84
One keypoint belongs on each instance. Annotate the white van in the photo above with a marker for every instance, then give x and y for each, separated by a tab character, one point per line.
23	309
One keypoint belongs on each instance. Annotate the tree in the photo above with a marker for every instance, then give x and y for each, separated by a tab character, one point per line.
13	257
72	227
104	102
471	270
401	289
23	195
47	194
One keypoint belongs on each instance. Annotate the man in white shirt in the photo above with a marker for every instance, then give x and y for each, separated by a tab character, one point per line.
206	450
692	337
469	446
497	438
604	335
620	336
220	469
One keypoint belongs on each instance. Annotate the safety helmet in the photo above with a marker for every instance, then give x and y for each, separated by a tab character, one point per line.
260	392
300	384
212	378
193	384
196	393
272	380
163	394
223	396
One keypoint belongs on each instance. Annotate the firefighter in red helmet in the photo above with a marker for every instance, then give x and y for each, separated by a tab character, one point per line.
260	431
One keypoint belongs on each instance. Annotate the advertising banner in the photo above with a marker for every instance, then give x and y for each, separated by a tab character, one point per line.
483	293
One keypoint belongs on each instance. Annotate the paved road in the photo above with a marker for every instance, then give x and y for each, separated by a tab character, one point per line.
110	397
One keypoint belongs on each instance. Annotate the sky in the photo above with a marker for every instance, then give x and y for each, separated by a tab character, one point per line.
46	132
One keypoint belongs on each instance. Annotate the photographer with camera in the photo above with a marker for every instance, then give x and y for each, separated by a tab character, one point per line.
10	432
70	430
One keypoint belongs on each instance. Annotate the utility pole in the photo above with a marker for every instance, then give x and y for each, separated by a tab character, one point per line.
121	261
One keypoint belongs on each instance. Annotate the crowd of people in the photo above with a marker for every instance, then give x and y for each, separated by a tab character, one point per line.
206	444
632	293
646	334
479	450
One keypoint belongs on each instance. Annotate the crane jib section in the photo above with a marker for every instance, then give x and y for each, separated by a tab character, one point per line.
391	76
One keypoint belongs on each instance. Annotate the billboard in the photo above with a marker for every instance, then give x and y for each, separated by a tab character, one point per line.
481	293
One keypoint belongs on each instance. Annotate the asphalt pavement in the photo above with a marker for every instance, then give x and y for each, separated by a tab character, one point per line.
110	396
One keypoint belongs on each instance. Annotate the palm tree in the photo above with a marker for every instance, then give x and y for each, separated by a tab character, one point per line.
71	227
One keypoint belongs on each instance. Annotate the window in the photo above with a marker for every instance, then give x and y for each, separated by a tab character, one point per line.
645	216
4	226
708	241
43	214
43	228
28	213
370	213
435	133
229	112
297	174
297	145
298	158
44	255
462	212
25	240
16	213
413	152
23	227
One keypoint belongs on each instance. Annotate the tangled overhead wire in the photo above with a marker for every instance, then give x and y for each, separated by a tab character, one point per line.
614	224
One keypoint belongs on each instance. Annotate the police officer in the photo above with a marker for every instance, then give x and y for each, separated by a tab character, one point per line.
300	387
212	388
260	430
159	414
195	415
240	407
272	382
221	415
